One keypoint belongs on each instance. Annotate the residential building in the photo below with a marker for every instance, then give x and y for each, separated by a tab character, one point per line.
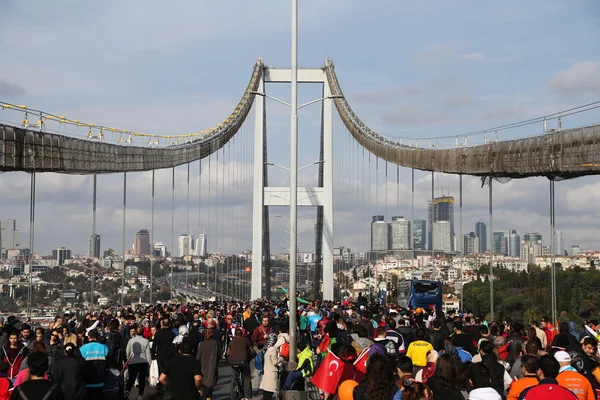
160	250
471	243
481	233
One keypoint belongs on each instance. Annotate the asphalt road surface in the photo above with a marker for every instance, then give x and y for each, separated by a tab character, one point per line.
221	392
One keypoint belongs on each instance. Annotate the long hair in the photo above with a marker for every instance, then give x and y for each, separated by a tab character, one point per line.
417	391
445	371
379	377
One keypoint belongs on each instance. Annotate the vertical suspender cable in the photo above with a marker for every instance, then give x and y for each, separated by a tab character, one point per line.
222	231
209	214
461	240
217	238
124	221
294	179
432	217
371	249
31	239
187	229
94	241
200	243
172	225
152	244
412	231
553	252
491	235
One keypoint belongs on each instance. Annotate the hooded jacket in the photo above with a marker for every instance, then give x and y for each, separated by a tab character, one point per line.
14	358
305	362
486	393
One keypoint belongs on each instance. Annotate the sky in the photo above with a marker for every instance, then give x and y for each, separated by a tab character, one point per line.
409	70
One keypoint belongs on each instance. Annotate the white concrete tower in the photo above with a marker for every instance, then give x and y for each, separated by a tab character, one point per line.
280	196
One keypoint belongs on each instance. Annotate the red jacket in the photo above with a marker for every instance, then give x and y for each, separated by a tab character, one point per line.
4	388
547	389
14	358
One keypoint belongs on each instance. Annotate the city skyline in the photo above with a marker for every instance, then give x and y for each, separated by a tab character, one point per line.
440	82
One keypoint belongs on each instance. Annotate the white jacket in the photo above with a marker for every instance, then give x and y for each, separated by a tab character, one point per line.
486	393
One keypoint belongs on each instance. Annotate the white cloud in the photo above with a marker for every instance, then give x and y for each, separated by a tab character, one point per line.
581	78
477	56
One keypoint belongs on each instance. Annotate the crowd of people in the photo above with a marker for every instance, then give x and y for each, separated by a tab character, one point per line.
349	350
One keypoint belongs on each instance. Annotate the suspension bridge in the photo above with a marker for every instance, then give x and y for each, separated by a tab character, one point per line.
40	142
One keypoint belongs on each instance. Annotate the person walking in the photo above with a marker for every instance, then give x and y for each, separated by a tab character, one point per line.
208	356
67	372
138	354
268	384
163	344
94	354
182	375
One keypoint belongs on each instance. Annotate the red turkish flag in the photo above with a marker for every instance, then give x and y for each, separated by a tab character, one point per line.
328	374
361	361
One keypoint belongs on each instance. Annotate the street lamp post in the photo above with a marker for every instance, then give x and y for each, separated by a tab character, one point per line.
294	181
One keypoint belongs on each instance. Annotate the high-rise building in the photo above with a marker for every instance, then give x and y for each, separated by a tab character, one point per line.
471	243
9	236
575	249
61	254
481	233
443	210
379	234
420	234
160	250
142	243
514	244
399	234
94	246
200	248
532	237
185	242
559	244
500	242
530	250
442	236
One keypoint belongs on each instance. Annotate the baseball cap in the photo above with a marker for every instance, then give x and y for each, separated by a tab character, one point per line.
562	356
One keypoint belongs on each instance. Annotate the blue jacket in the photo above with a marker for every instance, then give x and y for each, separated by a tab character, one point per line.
94	368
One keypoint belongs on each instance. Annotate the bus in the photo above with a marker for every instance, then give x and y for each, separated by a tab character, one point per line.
419	293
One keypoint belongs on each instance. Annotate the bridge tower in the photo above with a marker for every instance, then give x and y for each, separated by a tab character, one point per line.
320	196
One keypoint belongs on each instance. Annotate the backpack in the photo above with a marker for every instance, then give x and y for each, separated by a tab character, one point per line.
19	390
259	362
114	342
356	347
390	351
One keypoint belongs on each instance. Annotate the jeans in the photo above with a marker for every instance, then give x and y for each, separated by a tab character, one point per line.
140	369
292	377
